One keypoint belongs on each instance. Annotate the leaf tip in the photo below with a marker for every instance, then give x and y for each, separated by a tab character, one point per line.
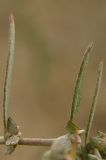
11	18
100	66
89	48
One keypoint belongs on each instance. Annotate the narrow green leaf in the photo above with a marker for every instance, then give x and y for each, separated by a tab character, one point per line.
8	71
94	101
78	87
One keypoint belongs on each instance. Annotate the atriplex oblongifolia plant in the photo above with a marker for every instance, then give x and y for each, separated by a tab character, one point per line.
70	145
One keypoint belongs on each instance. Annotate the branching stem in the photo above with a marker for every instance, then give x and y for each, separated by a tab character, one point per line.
32	141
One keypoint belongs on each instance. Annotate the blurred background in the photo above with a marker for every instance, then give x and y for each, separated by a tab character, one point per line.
51	37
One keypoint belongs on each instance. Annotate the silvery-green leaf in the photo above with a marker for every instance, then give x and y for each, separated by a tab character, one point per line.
12	126
13	140
9	68
62	143
92	157
78	87
94	102
101	134
97	153
10	149
59	149
47	155
11	143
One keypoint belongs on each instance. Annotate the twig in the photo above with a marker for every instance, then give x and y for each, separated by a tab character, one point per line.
32	141
36	141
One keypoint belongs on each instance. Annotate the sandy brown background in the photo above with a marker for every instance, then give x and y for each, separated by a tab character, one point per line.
51	36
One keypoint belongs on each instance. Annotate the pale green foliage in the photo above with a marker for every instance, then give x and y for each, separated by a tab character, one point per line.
69	146
91	150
